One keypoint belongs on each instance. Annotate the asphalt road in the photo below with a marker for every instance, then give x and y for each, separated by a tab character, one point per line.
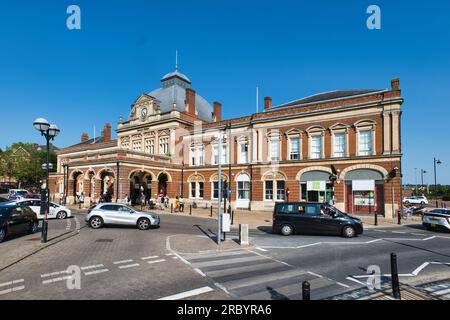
125	263
116	263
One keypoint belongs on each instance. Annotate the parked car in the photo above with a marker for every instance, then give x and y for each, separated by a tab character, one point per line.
56	211
17	219
3	200
314	218
15	194
436	219
118	214
422	200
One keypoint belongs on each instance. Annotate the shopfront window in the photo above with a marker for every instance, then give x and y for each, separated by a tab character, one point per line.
243	190
269	190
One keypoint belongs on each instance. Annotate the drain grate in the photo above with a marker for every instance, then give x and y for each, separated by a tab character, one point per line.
104	240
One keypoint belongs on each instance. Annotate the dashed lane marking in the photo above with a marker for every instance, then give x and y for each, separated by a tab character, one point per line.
127	266
122	262
188	294
92	267
11	290
200	272
54	274
95	272
56	279
156	261
148	258
11	283
261	249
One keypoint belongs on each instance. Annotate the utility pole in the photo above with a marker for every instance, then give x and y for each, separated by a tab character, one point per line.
219	207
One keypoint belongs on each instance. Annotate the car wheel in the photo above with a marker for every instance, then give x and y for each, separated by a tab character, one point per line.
287	230
34	225
2	234
143	224
407	203
96	222
349	232
61	215
422	203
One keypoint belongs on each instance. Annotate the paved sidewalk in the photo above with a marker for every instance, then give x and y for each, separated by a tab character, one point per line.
19	247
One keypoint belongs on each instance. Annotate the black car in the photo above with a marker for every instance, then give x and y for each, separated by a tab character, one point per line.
15	219
314	218
3	200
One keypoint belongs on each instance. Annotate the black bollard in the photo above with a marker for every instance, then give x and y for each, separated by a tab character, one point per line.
399	217
232	218
190	210
211	214
171	208
376	218
306	291
394	275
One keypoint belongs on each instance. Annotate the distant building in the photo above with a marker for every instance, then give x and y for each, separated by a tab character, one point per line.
342	146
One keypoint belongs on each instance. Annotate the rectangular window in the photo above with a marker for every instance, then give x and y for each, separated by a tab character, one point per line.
365	143
193	190
150	146
200	151
243	155
137	146
295	148
280	191
224	155
163	146
244	190
193	157
339	148
269	190
274	150
215	157
216	190
316	147
201	188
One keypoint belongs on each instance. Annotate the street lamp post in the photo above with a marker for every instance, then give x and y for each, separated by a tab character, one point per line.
422	172
49	131
436	162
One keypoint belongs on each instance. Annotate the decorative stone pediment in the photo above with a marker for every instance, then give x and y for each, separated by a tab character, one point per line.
143	108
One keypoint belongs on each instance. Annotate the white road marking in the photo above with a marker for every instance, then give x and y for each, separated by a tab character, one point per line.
175	258
56	279
218	285
148	258
423	266
430	238
156	261
95	272
123	261
315	274
54	274
355	280
418	234
379	230
188	294
11	283
442	292
129	266
261	249
92	267
342	285
12	290
399	232
200	272
169	254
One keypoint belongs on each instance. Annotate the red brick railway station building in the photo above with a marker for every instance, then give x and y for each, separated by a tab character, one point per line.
342	146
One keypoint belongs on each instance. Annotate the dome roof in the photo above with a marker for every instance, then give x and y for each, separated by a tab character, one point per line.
173	90
176	73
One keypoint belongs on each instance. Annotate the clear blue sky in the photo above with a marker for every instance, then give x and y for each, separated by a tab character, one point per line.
291	49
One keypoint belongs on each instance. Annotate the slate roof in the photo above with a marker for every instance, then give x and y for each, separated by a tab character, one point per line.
326	96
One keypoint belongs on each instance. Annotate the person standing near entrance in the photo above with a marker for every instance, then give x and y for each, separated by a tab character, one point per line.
181	204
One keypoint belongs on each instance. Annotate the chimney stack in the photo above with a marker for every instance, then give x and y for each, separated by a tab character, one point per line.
106	133
395	84
217	111
84	137
190	101
267	103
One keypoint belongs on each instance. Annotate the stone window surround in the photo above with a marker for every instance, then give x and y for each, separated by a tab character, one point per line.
240	141
274	177
365	125
215	178
294	134
273	135
214	143
197	147
314	132
336	129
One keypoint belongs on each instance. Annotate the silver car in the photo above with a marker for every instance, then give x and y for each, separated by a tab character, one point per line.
119	214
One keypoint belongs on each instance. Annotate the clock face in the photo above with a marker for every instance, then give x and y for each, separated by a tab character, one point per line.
144	113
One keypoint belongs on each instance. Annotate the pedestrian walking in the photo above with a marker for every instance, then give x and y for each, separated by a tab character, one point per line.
181	204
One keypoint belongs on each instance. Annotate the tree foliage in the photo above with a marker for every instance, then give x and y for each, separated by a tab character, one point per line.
23	162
